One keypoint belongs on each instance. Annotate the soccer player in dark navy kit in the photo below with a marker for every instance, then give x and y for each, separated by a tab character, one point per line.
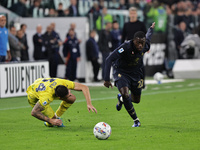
127	62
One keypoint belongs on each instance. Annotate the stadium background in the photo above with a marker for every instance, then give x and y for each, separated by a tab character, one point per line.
169	112
161	57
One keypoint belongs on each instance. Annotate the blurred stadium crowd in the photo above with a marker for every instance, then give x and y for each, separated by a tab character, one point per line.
187	11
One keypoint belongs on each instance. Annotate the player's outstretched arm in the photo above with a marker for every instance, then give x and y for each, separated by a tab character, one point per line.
149	35
153	25
86	93
37	112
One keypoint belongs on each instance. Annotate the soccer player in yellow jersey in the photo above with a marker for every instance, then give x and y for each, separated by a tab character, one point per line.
44	90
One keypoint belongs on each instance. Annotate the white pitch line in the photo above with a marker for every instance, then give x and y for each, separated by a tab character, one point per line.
168	87
155	88
109	98
179	85
192	84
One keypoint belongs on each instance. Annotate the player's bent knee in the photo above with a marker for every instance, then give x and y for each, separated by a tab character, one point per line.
125	95
124	92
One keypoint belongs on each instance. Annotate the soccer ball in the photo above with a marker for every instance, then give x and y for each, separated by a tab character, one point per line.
102	131
158	77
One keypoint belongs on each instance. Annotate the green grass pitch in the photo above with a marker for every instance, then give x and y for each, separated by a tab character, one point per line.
169	115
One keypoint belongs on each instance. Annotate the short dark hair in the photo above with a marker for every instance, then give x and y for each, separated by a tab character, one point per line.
139	34
115	21
11	27
61	91
21	26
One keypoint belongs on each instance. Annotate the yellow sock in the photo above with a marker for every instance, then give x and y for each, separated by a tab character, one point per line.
62	108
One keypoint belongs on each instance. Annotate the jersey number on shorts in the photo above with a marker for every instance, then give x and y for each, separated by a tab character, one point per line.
140	83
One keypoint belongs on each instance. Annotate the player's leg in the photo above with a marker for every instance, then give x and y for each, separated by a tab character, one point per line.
128	102
65	104
120	82
48	111
135	98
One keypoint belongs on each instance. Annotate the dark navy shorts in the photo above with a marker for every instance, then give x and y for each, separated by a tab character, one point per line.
135	86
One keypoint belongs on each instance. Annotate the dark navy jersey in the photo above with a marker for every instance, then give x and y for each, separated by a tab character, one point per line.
126	59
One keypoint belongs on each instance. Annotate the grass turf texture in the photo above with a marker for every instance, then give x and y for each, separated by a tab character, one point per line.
169	115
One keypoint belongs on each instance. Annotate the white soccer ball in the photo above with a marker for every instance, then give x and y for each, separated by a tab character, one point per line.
158	77
102	131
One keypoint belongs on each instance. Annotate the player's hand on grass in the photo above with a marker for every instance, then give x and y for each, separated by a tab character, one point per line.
56	122
108	84
92	108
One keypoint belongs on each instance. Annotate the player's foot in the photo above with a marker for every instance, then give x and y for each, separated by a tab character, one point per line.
48	124
120	102
136	123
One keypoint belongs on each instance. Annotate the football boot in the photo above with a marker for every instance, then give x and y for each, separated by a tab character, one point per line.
120	102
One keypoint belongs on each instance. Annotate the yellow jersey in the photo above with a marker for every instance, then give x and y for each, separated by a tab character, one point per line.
43	89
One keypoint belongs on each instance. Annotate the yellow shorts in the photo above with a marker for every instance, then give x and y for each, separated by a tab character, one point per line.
32	100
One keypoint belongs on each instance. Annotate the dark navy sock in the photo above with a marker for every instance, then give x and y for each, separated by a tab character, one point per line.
129	107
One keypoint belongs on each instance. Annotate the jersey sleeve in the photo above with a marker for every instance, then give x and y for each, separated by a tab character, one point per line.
148	39
116	54
70	84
